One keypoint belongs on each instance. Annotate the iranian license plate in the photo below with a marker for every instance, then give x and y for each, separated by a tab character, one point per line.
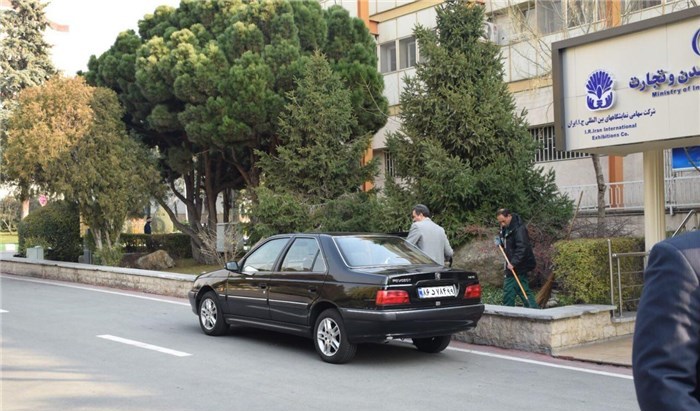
437	292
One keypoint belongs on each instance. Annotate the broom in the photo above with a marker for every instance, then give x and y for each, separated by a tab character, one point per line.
546	291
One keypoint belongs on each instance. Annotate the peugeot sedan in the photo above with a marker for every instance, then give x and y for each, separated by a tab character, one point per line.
340	290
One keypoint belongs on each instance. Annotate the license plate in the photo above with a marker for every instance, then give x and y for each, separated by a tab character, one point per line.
437	292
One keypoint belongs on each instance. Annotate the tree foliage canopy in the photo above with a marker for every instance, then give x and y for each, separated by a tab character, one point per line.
461	148
67	138
318	168
320	156
206	82
25	59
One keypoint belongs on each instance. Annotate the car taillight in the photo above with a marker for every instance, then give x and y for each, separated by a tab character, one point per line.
473	291
391	297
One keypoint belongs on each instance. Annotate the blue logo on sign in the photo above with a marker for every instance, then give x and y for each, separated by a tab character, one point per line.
696	42
600	94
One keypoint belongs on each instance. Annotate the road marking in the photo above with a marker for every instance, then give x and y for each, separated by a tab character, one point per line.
60	284
546	364
144	345
3	311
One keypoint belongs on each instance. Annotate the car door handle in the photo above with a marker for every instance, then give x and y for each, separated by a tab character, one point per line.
262	286
312	289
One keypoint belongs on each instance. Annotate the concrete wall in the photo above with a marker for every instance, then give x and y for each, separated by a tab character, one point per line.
546	331
154	282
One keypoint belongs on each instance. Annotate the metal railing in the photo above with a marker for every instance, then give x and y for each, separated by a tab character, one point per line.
685	221
681	192
626	286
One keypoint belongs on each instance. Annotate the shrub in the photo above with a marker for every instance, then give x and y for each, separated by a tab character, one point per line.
582	267
55	227
177	245
109	256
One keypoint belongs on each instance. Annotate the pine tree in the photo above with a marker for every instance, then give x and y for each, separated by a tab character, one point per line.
24	54
462	149
313	179
24	62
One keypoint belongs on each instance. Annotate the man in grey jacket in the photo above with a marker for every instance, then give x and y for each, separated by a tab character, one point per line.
429	236
666	347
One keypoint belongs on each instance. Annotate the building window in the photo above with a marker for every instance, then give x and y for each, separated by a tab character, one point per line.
389	168
550	17
407	52
546	150
387	57
582	12
630	6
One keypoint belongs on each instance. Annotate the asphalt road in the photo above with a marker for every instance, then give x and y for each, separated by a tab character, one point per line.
74	347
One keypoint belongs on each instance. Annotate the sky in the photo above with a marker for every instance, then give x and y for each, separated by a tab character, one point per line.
93	27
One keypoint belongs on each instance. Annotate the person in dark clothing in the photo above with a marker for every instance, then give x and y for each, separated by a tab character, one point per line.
516	243
666	345
147	226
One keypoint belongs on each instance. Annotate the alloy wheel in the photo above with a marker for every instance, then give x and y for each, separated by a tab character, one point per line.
328	337
208	314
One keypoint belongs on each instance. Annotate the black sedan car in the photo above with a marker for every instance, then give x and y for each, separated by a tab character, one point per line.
340	290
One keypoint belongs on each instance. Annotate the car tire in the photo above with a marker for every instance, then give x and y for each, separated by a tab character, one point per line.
331	340
211	317
432	345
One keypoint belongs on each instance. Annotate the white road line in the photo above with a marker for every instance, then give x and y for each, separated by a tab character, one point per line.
4	311
60	284
546	364
144	345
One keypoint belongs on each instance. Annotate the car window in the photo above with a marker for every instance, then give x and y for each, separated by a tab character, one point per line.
359	251
304	255
265	256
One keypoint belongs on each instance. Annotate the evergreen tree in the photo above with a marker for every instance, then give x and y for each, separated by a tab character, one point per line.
462	150
205	83
24	54
317	169
320	157
24	62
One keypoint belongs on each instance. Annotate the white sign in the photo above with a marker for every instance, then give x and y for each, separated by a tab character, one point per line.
633	88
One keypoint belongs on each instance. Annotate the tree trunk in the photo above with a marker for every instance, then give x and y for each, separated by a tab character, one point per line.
600	182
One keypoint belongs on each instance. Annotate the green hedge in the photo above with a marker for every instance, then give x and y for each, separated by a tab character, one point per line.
582	267
55	227
176	244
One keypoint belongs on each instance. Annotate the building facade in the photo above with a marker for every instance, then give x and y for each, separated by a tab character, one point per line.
525	30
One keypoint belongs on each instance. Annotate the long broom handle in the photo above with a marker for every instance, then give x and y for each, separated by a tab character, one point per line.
525	297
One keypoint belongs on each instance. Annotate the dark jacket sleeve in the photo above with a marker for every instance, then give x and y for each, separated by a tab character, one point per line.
666	347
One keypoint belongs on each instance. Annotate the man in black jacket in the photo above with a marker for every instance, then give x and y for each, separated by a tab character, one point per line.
666	346
517	246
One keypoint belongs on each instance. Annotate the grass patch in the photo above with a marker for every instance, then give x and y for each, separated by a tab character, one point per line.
8	238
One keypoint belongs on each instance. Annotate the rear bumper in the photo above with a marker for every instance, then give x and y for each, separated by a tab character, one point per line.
380	325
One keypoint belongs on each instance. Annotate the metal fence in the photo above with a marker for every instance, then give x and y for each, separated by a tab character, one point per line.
681	192
626	279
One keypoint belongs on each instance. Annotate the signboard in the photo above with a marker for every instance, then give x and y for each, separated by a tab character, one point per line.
630	86
686	158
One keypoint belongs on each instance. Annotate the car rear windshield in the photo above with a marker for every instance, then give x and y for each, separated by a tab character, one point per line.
372	251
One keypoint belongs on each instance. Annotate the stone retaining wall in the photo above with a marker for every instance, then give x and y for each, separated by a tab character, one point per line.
546	331
154	282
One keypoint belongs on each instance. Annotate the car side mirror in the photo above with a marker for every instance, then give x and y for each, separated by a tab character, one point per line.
232	266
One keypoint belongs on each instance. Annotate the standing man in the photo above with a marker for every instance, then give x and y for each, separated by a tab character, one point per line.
666	346
428	236
147	226
515	240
